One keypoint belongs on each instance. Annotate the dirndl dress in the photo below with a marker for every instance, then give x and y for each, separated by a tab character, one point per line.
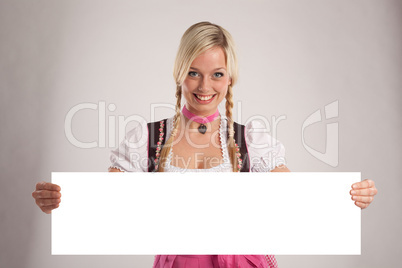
158	133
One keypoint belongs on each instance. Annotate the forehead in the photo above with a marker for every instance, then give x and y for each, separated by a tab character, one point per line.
211	58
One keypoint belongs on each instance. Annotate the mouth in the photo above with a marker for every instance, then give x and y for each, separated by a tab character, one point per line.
204	97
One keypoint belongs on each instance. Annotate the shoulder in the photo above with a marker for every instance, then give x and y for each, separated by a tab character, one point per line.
137	135
261	140
259	132
141	130
132	152
266	152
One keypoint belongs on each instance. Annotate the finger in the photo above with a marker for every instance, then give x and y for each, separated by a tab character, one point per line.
111	169
47	194
361	205
363	199
367	192
47	186
47	202
281	168
48	209
363	184
44	202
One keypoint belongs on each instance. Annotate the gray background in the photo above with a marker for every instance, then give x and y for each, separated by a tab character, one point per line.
295	58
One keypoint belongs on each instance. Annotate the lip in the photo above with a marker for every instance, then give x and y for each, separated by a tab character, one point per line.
204	101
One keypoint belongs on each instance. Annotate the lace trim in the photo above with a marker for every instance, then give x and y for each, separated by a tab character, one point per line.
222	137
239	160
220	168
169	127
170	130
159	144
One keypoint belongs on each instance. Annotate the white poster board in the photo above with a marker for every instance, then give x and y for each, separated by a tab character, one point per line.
206	213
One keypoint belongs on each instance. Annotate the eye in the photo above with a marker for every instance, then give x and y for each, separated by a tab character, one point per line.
193	74
218	75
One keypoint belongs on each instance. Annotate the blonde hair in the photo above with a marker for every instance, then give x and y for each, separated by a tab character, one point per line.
196	40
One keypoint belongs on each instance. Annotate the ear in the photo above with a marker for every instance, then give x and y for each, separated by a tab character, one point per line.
230	81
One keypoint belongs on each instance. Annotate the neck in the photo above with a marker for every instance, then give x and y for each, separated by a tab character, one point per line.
192	126
200	119
193	121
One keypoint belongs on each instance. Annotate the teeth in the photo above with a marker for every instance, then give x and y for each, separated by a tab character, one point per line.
204	97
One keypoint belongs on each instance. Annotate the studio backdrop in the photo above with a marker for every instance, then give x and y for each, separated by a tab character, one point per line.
74	75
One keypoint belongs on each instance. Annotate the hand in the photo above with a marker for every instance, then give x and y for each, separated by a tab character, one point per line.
47	196
363	193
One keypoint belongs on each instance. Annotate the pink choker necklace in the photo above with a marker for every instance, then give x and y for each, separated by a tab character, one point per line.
202	120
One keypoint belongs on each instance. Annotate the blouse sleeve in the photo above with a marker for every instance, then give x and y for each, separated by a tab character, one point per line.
132	153
264	151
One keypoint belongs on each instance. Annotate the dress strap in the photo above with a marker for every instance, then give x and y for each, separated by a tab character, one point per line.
156	140
240	140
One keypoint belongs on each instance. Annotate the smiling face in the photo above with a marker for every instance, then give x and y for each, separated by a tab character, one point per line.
206	83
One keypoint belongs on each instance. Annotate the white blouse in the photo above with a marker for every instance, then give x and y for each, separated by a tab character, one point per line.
265	152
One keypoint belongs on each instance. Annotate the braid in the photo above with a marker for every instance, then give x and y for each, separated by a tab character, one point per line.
176	120
231	141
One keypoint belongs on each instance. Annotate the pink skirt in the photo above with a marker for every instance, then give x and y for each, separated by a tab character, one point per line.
214	261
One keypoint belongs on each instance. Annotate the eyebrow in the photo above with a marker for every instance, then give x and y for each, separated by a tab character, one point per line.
213	69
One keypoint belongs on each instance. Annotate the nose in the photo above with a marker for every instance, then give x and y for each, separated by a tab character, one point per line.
205	84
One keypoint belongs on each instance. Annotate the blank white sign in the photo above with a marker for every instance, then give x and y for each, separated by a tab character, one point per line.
206	213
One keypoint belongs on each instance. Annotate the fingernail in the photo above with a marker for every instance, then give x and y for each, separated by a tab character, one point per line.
353	192
354	197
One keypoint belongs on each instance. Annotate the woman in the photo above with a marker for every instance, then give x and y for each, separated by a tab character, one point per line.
199	139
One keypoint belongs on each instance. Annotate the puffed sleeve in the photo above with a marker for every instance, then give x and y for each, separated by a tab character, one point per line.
265	152
132	153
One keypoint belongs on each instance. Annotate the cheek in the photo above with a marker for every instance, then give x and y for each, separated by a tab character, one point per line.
222	87
189	85
187	90
222	93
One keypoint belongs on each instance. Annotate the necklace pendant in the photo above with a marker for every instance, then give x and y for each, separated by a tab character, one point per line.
202	129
